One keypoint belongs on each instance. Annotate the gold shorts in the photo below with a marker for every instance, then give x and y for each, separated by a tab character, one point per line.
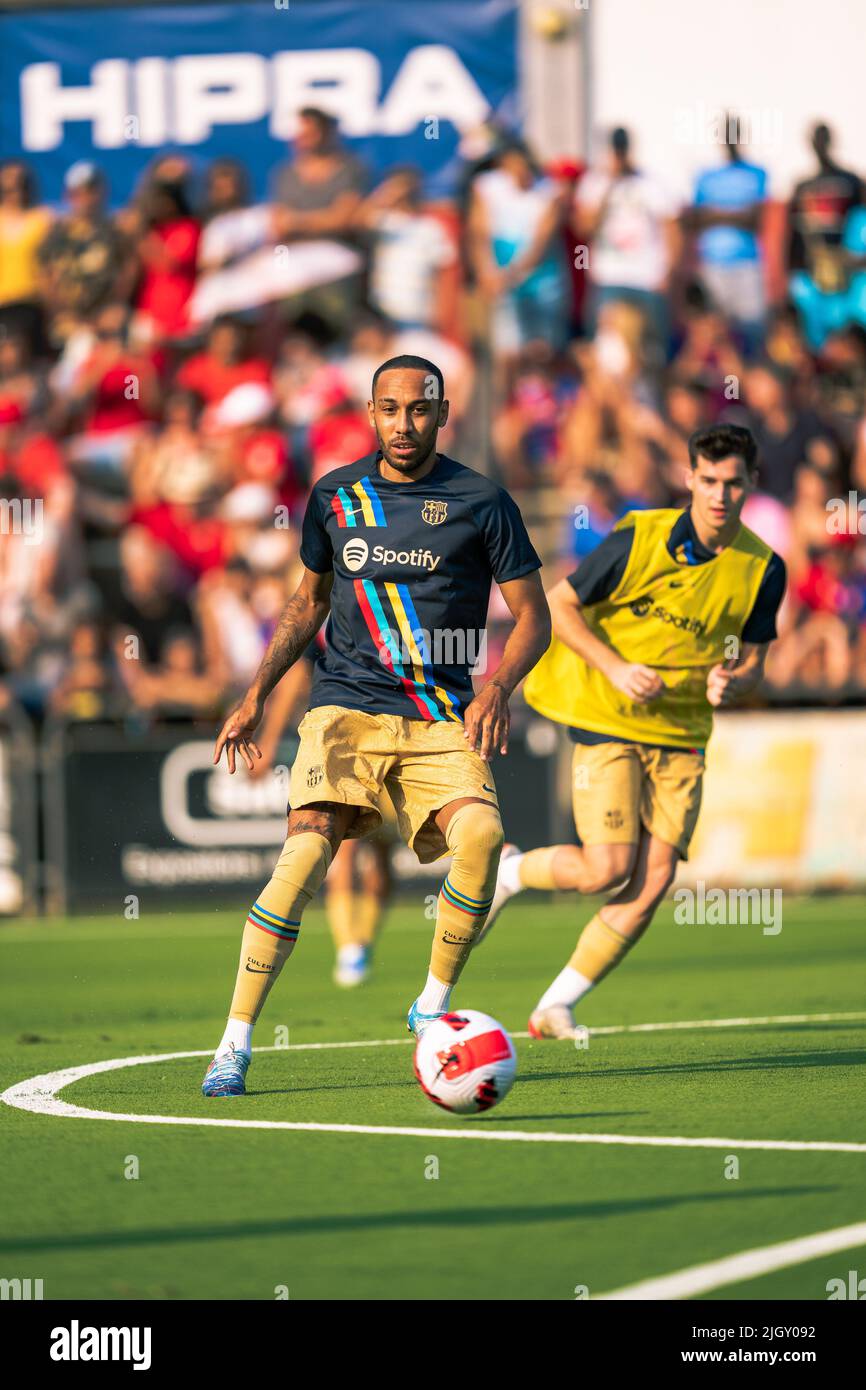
348	756
618	787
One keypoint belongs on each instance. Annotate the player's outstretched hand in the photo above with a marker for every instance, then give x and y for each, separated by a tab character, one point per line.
721	686
486	722
236	734
639	683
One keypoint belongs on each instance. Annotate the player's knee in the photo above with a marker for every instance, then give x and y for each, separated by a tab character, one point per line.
659	878
475	832
607	867
304	861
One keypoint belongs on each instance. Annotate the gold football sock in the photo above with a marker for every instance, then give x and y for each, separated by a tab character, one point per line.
354	918
272	927
369	911
474	836
341	907
536	867
599	948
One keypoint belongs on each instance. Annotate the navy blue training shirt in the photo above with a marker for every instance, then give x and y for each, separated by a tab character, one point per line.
413	564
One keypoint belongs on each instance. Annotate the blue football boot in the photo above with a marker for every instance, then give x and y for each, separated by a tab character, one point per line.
226	1073
418	1023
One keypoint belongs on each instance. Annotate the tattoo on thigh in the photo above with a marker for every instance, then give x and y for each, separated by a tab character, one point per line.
328	818
321	822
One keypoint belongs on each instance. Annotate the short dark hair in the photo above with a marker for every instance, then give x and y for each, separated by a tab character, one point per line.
716	442
619	140
326	122
406	359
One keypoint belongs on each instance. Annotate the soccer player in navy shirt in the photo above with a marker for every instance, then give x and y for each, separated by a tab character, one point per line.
399	552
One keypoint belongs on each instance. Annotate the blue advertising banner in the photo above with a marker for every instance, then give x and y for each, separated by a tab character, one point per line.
120	85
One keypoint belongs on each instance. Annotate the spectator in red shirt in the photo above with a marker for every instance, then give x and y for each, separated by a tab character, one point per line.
342	435
168	250
30	455
241	430
225	363
115	394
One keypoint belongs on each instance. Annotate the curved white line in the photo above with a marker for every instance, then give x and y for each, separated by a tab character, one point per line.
38	1094
749	1264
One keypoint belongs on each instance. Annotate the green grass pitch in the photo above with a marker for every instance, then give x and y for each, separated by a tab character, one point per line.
244	1213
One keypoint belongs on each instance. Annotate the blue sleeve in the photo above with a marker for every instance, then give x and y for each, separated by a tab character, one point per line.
760	626
602	569
509	549
854	234
316	552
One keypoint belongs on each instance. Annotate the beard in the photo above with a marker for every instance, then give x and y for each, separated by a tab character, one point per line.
412	463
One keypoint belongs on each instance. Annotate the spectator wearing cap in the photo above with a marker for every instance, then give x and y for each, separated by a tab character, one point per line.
318	194
566	174
726	215
630	222
241	431
23	227
410	251
84	260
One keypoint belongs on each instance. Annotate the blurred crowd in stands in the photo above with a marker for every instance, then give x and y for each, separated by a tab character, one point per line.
174	376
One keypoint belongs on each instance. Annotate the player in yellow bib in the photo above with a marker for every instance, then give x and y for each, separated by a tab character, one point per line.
669	618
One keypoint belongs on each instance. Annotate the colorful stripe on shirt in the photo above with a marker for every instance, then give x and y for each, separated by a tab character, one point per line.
344	505
371	607
371	506
473	907
268	921
415	642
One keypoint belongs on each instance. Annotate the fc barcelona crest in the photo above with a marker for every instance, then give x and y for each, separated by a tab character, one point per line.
434	513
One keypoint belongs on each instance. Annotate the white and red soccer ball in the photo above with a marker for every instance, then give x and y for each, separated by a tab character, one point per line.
465	1062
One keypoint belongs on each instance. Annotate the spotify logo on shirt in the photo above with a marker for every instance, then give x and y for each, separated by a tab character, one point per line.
355	553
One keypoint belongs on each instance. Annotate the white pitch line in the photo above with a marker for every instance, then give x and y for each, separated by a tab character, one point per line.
38	1094
749	1264
609	1030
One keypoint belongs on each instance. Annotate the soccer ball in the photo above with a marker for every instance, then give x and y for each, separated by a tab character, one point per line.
465	1062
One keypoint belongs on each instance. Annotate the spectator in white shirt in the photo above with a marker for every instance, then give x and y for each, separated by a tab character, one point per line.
410	249
515	218
631	224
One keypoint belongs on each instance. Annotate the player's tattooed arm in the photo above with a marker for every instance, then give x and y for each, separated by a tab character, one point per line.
486	721
299	622
732	680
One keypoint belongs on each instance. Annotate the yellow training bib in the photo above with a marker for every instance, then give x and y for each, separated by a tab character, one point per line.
676	618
